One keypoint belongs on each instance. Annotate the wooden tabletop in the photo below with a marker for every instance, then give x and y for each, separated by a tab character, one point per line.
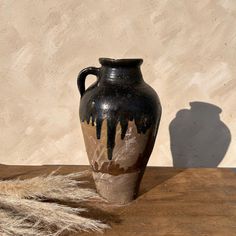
172	201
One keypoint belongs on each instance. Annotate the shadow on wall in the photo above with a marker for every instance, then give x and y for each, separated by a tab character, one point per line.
198	138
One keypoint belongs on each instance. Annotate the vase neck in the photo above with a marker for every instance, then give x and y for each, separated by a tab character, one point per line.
121	71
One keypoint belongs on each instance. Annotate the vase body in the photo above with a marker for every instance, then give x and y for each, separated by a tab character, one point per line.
119	116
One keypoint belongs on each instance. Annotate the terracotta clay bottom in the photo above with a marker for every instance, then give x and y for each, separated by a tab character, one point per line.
120	189
118	180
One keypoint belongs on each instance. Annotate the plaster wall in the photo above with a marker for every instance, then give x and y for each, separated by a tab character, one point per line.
189	52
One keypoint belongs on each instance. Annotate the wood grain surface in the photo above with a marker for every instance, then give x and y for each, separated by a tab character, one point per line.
171	202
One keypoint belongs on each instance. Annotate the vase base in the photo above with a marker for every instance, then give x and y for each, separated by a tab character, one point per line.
118	189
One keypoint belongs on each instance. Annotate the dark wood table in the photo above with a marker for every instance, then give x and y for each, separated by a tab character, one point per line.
196	202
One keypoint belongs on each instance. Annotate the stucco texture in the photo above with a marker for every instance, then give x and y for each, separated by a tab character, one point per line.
189	52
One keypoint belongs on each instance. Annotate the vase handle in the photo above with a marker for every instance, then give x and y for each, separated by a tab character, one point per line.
82	76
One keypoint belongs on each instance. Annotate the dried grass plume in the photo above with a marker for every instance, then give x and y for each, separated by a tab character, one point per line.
22	211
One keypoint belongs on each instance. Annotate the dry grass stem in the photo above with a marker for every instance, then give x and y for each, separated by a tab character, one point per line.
42	216
22	213
61	187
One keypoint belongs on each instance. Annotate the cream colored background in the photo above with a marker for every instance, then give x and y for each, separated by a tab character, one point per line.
189	52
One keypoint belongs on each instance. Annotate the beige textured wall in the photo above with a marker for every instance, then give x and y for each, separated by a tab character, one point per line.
189	52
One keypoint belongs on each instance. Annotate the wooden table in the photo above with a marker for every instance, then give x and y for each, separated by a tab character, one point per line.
196	202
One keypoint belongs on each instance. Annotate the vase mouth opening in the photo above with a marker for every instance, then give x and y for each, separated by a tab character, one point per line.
126	62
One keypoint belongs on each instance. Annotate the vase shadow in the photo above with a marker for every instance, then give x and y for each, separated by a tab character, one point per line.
155	176
198	138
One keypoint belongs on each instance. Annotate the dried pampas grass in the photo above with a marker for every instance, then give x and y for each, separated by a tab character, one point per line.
23	213
60	187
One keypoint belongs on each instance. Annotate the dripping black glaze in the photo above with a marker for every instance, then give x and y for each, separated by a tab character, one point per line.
118	96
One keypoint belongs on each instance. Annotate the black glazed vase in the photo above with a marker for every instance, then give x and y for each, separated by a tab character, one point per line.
119	116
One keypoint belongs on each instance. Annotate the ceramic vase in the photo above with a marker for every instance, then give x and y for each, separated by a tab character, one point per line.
119	116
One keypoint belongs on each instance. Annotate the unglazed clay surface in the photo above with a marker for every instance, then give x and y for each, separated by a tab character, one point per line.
119	189
126	152
118	179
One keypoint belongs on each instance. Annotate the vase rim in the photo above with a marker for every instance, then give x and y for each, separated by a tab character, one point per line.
104	61
197	105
